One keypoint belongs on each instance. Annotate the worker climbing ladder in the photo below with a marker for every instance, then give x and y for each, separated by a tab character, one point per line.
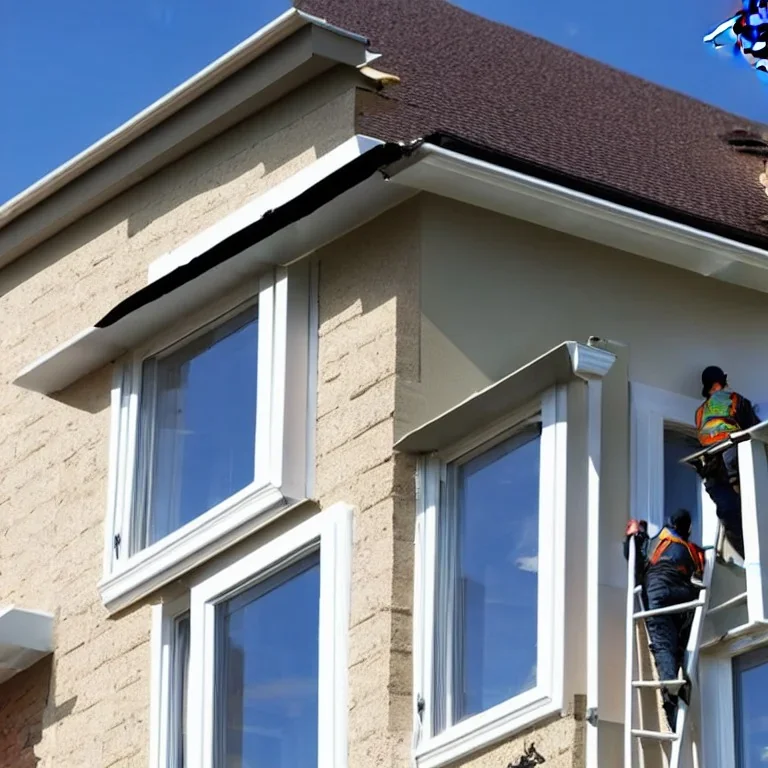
636	738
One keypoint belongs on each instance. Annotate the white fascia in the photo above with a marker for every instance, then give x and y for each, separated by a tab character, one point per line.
255	209
450	174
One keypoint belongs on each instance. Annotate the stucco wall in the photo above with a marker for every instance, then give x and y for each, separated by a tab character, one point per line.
496	292
54	452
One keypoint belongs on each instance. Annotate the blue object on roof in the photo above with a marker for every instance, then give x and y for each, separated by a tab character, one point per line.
747	32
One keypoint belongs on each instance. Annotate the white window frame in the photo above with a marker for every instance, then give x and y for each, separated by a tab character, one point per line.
716	700
330	531
546	699
163	680
283	439
653	409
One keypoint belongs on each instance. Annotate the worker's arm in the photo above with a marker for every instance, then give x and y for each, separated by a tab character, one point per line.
745	413
637	531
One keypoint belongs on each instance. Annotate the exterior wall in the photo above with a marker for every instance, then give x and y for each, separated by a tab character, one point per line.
93	708
368	351
496	292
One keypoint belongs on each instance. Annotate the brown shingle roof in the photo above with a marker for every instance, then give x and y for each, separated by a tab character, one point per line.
557	113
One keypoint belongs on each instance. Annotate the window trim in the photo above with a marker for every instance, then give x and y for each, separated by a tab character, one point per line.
652	410
718	708
163	680
330	531
283	438
547	697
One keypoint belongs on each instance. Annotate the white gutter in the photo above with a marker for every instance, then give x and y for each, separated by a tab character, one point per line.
235	59
557	207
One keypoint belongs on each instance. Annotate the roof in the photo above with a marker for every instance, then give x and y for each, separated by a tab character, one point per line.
556	114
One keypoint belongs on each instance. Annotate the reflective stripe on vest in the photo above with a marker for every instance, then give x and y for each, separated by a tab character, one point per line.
666	538
716	417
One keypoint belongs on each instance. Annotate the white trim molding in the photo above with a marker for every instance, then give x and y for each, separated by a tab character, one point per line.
330	533
25	637
433	749
282	436
651	410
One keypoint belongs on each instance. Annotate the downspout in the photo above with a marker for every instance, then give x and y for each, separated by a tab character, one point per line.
591	365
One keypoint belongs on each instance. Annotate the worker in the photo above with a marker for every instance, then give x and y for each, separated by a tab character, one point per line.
666	565
722	413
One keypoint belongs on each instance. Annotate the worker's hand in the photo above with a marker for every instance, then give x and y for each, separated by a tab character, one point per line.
635	526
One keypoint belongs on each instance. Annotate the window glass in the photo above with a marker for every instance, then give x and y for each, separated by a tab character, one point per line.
496	587
682	487
750	683
179	688
198	428
266	692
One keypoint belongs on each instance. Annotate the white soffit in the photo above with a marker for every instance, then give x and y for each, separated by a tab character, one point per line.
450	174
94	347
25	638
566	362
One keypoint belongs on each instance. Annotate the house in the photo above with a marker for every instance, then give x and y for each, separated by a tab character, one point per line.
328	384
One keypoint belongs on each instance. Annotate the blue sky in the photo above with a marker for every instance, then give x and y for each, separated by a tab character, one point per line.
73	71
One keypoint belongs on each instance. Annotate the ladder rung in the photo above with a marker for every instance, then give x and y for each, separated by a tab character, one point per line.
658	735
672	684
740	598
679	608
638	589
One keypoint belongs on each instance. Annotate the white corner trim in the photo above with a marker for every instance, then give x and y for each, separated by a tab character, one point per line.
590	362
254	210
192	545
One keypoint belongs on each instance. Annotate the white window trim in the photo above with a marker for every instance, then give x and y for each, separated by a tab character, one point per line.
716	700
651	409
162	643
284	438
546	699
331	532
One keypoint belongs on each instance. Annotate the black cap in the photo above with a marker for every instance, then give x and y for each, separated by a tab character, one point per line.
712	375
681	522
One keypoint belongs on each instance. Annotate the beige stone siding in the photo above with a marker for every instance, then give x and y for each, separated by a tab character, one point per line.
90	706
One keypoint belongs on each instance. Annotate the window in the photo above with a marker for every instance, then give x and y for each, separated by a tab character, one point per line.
682	486
750	682
210	435
663	432
490	582
268	645
489	573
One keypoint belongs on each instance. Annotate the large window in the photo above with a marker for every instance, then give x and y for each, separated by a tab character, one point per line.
750	683
489	564
490	583
210	434
239	679
682	486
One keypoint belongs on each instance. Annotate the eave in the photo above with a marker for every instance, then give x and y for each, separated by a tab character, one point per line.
26	637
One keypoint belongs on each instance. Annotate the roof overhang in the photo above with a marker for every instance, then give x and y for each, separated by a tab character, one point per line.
358	181
25	638
556	206
565	363
277	59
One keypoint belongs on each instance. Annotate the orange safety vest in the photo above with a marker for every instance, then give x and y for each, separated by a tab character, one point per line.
665	539
716	417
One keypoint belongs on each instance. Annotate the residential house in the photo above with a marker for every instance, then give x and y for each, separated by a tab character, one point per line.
328	384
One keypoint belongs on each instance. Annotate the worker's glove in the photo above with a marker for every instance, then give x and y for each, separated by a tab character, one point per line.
636	526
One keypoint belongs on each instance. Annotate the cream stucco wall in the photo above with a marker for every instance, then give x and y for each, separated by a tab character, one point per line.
497	292
89	706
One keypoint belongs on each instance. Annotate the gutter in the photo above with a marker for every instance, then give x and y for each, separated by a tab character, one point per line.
235	59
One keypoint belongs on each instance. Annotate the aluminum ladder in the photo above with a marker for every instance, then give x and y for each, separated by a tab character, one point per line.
636	612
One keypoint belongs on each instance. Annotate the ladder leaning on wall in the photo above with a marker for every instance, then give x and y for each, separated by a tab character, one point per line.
635	687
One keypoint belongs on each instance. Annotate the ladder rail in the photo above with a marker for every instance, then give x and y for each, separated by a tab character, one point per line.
629	661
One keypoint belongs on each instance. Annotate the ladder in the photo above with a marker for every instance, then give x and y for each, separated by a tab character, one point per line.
636	612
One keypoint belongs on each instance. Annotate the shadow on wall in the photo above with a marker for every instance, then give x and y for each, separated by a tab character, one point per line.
91	394
27	708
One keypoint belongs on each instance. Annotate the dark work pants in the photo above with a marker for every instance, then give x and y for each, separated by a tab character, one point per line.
727	501
668	633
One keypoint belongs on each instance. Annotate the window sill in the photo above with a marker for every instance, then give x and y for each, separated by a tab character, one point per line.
485	729
192	545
